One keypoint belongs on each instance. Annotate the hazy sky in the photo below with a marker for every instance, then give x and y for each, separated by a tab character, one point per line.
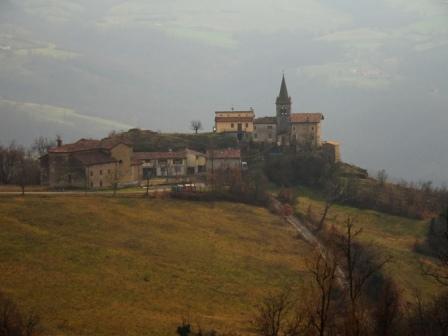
377	69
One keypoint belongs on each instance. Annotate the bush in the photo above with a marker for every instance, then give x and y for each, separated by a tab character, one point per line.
13	323
307	168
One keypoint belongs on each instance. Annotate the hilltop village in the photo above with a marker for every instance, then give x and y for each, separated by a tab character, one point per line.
117	160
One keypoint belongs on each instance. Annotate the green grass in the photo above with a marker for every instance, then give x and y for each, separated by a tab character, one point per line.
394	236
95	265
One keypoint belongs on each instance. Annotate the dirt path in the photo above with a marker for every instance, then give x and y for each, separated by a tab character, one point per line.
311	238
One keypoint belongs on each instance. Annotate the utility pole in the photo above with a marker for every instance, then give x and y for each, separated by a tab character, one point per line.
148	177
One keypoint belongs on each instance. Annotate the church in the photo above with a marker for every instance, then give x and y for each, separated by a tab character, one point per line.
302	130
299	130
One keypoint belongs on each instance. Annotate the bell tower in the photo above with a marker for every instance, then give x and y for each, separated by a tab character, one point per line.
283	105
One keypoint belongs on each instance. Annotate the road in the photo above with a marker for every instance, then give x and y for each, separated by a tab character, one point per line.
311	238
83	193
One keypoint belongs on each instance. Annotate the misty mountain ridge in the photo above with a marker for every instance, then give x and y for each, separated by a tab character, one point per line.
27	121
378	76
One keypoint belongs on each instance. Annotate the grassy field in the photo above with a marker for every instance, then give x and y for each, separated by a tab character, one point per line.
120	266
394	236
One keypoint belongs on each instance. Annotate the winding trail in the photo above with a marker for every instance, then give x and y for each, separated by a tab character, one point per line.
311	239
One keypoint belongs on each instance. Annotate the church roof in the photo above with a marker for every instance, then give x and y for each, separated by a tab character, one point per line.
283	96
283	89
306	117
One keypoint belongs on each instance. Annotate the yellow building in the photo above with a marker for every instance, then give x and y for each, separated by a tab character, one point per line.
241	121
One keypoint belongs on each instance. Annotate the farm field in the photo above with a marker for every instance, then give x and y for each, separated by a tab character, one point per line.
93	265
393	235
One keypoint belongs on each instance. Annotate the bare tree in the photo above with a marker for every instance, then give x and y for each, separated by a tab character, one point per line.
9	160
321	314
41	145
361	264
272	313
13	323
387	312
196	125
382	177
23	170
335	192
440	272
279	315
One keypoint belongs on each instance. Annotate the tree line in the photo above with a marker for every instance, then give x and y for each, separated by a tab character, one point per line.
415	200
20	165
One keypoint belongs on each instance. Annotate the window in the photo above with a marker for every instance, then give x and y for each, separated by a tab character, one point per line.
177	161
232	125
312	128
269	126
247	125
101	183
69	177
91	184
255	135
270	135
101	172
91	173
255	127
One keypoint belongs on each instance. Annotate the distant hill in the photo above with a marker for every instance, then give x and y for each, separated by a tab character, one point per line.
24	122
146	140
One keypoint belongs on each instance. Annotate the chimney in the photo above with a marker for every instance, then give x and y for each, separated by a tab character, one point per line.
59	141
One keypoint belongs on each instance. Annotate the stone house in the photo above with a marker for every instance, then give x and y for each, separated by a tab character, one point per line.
331	150
168	164
265	130
87	164
305	130
224	167
224	159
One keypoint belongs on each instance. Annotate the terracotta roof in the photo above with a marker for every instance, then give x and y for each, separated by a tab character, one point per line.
265	120
229	153
93	158
306	117
140	156
234	119
241	111
87	144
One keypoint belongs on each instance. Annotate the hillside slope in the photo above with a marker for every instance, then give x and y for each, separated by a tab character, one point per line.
115	266
393	236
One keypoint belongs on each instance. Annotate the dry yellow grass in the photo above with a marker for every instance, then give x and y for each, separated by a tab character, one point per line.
119	266
394	236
